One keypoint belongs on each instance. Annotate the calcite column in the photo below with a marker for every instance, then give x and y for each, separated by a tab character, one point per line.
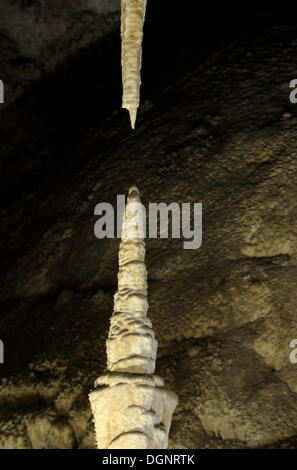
131	407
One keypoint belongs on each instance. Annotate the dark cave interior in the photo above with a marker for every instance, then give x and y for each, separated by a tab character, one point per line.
54	116
216	126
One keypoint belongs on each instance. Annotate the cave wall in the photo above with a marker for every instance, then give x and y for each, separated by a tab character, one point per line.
222	132
38	35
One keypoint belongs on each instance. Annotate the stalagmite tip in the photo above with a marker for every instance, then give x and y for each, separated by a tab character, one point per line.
133	193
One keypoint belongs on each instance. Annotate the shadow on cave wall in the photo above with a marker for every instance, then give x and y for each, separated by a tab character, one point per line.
41	133
68	133
45	133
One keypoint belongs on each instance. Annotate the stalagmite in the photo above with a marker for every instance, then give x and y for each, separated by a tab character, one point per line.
133	14
131	407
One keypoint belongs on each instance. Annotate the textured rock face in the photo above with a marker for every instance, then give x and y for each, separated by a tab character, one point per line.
131	407
224	315
38	35
132	411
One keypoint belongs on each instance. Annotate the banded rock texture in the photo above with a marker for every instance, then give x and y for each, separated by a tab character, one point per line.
131	407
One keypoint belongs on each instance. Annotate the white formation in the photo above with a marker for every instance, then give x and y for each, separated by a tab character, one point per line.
131	407
133	14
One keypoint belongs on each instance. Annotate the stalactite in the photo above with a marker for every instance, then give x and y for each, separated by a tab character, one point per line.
131	407
133	15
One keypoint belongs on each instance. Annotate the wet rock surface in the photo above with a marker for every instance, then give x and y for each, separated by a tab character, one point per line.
224	134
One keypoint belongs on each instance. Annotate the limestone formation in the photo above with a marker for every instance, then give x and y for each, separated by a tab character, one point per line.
131	407
224	314
133	14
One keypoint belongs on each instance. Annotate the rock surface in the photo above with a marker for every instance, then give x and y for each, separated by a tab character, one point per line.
224	315
38	35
